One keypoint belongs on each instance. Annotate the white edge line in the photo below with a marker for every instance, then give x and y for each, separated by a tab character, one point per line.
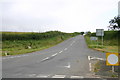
89	58
76	77
58	76
42	76
90	67
31	75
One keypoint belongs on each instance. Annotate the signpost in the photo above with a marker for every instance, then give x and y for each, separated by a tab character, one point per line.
94	38
112	60
100	32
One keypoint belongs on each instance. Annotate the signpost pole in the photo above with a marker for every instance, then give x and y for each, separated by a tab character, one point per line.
100	32
113	70
97	43
102	41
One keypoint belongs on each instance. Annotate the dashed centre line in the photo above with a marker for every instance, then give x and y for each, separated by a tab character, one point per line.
60	51
54	54
45	58
65	49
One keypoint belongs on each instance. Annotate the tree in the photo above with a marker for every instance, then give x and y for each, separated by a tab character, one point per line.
115	23
82	33
88	33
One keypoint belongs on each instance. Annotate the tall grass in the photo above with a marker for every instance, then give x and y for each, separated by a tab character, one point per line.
32	36
110	38
110	43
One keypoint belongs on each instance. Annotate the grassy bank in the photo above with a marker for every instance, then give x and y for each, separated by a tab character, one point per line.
14	43
110	43
105	71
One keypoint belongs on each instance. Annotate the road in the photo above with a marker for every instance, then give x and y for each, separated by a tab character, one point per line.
69	59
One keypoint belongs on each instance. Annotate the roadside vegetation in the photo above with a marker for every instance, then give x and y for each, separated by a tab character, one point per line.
105	71
110	41
111	44
14	43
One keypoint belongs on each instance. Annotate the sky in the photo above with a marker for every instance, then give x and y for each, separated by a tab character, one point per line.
61	15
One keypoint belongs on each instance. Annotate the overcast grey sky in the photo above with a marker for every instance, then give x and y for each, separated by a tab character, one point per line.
62	15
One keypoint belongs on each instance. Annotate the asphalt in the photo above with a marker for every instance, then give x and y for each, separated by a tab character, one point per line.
68	59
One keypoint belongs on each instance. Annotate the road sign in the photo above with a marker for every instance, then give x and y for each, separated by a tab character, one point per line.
99	32
112	59
93	38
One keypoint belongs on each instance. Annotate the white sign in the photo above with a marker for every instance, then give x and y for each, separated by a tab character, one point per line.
99	32
93	38
112	59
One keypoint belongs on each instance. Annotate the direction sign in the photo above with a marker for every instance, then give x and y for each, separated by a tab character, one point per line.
99	32
93	38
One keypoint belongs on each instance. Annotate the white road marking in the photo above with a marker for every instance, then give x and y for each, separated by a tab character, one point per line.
89	58
73	41
60	51
58	76
31	75
45	58
76	77
68	66
71	44
97	58
65	49
18	56
15	56
54	54
4	58
90	67
42	76
12	57
23	55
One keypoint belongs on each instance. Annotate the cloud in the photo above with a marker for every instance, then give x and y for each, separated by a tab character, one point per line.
63	15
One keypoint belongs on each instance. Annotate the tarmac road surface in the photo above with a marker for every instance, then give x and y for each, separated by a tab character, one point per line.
69	59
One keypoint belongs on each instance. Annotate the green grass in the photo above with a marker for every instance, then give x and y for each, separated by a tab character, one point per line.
21	47
110	43
21	41
100	68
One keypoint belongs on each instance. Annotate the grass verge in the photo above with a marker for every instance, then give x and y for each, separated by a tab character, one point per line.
97	45
105	71
26	46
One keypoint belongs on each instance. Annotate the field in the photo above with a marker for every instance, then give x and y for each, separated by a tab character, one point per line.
14	43
110	43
